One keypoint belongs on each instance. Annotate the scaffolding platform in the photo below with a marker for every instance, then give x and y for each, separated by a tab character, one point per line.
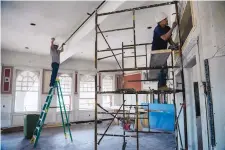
142	92
158	58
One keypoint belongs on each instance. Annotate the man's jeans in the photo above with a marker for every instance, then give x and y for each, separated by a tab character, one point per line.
162	77
55	68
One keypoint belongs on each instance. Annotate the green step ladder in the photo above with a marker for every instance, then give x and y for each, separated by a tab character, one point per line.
40	123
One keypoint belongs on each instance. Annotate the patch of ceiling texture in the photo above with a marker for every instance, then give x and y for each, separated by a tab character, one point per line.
53	19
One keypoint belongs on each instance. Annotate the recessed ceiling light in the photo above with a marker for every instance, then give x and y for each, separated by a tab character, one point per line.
26	47
32	24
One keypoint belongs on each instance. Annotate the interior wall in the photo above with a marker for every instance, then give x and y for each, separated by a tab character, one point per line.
217	74
213	39
33	62
208	26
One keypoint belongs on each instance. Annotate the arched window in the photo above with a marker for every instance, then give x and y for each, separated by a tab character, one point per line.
27	88
87	92
107	85
66	86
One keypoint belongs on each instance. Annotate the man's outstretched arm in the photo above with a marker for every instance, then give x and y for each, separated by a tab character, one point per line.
167	36
171	41
62	49
52	43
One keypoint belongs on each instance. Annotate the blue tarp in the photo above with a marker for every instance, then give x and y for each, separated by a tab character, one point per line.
161	120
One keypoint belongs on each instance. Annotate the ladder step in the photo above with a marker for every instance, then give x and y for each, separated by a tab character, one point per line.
49	95
38	128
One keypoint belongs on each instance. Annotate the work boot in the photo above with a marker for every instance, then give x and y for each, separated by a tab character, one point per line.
164	88
174	47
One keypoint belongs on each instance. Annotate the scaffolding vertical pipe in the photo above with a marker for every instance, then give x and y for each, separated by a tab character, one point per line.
134	34
158	98
174	96
153	98
96	65
137	121
146	60
148	118
182	78
124	138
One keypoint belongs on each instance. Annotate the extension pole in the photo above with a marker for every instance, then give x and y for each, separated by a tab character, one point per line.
83	23
174	102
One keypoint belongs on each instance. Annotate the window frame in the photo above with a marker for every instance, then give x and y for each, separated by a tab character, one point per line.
113	88
67	94
16	72
80	80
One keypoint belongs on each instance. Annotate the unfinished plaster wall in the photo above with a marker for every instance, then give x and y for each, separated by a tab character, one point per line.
209	29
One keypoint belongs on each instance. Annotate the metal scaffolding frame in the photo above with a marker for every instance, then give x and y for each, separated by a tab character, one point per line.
132	91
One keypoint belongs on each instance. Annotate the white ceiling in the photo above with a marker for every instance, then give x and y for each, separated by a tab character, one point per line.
53	19
60	19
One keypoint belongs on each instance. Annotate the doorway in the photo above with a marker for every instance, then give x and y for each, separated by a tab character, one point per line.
198	115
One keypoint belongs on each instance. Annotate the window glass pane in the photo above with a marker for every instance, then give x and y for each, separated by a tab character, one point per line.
24	88
87	92
24	83
18	88
67	102
19	78
36	84
107	83
18	83
30	83
107	101
66	85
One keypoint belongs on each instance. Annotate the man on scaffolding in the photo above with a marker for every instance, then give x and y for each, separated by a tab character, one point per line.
161	38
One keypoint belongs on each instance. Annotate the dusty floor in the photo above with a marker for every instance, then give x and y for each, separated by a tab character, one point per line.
83	139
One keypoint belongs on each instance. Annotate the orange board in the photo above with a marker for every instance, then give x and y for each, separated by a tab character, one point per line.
135	85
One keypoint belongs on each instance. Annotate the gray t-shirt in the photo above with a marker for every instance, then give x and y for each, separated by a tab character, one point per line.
55	55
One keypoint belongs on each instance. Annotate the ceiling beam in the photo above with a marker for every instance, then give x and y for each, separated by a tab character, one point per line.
88	27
